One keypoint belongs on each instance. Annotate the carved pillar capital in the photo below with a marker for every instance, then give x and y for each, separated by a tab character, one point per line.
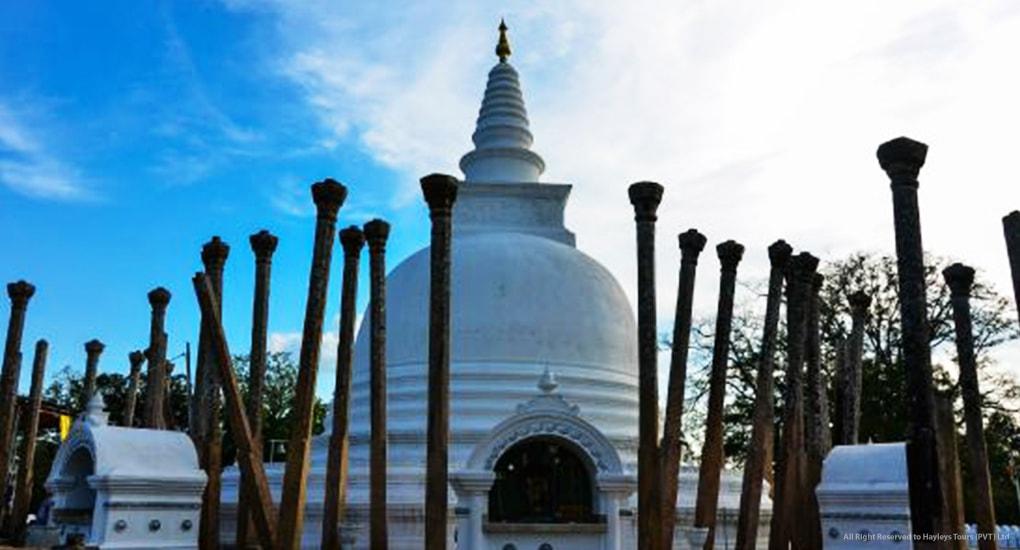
263	244
779	254
960	279
730	254
440	192
802	267
902	159
645	196
159	298
214	255
691	244
94	347
859	301
376	232
328	196
20	293
352	239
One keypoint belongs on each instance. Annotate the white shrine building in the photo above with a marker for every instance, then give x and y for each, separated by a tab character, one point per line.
544	376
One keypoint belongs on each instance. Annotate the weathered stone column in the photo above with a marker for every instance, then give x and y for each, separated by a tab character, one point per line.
136	358
816	421
248	460
730	254
168	404
949	470
376	233
646	196
789	502
263	244
93	349
352	240
960	279
23	490
207	388
691	245
902	159
825	419
19	293
839	373
850	407
758	460
1011	228
440	193
155	379
328	196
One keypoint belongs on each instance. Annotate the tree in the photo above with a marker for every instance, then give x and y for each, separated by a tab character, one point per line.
883	405
278	394
67	390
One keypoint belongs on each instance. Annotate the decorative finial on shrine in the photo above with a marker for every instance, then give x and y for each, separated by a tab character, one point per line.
503	47
95	411
547	382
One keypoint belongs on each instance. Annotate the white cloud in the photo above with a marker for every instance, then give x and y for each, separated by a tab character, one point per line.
761	119
291	342
28	167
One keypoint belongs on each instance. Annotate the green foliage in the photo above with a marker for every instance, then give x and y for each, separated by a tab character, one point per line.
66	389
277	401
883	396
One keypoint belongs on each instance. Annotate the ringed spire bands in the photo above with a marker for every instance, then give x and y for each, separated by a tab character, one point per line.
502	136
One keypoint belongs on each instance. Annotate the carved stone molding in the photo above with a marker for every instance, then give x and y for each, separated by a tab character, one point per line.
548	414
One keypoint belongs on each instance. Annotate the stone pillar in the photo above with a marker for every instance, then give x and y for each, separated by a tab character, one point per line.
248	460
646	196
902	159
825	419
949	470
759	458
168	405
440	193
691	245
19	293
328	196
93	349
136	358
472	490
23	490
376	233
960	280
615	490
816	421
155	379
352	240
263	244
1011	228
209	435
789	504
850	407
730	254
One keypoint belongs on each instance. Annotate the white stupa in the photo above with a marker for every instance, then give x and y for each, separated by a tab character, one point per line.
544	397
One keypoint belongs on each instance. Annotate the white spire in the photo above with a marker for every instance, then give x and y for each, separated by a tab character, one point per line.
502	139
95	411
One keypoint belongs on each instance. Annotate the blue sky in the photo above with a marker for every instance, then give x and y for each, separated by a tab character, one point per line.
134	132
131	132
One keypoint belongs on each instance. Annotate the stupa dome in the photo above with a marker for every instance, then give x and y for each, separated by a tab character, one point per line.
519	304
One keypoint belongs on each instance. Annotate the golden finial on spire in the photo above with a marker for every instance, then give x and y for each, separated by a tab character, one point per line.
503	47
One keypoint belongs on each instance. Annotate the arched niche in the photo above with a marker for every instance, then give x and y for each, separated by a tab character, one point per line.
543	479
81	497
